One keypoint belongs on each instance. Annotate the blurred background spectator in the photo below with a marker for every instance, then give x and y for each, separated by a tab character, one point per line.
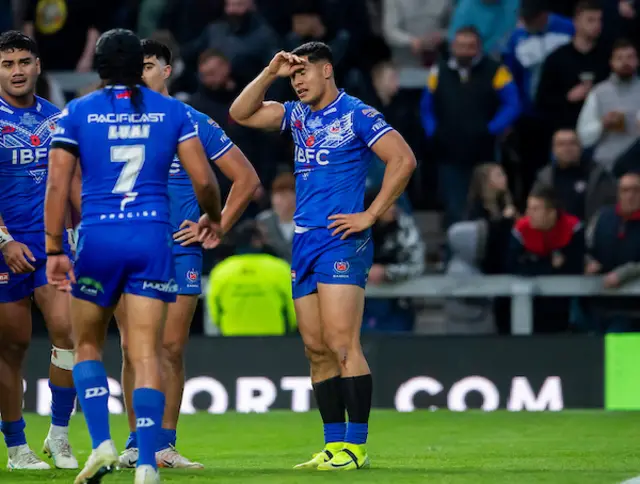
249	293
416	29
583	187
277	222
609	120
399	255
469	101
547	241
614	251
569	74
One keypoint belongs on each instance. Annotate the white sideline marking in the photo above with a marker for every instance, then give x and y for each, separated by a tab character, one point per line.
633	480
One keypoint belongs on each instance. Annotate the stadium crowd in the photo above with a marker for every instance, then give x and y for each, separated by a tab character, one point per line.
526	128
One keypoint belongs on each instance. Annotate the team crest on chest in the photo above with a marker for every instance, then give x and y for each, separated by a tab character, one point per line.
29	120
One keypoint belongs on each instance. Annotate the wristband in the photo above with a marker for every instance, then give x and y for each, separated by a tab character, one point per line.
5	237
55	252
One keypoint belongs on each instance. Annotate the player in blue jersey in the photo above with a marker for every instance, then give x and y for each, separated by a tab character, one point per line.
26	127
125	137
188	259
335	136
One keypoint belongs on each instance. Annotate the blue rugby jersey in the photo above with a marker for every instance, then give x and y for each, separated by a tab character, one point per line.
125	154
25	137
184	204
332	156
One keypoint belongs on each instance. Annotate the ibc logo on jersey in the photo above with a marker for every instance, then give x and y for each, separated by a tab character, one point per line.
310	155
24	156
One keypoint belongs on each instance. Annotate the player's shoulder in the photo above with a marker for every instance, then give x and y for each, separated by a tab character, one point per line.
359	108
46	108
201	118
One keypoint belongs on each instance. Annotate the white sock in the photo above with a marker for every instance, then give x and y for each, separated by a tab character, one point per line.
56	432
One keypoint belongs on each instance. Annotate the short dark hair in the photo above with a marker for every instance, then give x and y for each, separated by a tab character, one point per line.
470	29
622	44
153	48
548	194
587	6
315	51
14	40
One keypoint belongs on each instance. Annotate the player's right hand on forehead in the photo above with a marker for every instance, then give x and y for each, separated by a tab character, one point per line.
17	256
284	64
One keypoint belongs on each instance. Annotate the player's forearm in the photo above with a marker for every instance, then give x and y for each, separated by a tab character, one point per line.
396	177
251	98
238	200
55	204
209	199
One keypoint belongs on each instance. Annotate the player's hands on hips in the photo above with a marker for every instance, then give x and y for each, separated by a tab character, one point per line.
188	235
209	233
285	64
60	272
17	256
351	223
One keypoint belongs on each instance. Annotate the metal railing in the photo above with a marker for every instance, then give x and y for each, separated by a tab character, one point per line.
521	290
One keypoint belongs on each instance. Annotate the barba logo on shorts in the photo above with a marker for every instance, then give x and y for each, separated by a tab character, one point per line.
90	286
171	287
4	278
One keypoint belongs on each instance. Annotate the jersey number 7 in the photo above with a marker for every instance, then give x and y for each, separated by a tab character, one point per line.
133	158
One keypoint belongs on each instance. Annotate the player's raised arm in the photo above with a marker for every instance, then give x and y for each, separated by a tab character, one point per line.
394	151
250	109
205	185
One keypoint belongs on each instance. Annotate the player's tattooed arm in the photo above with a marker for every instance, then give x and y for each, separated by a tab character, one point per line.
235	166
394	151
250	109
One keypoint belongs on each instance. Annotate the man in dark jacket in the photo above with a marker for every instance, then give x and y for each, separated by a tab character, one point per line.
547	241
582	185
613	240
469	101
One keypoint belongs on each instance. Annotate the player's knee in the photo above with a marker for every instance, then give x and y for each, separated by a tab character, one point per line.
342	348
317	354
14	351
60	333
173	353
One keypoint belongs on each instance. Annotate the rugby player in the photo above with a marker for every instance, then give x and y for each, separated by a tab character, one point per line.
26	128
188	260
124	136
335	137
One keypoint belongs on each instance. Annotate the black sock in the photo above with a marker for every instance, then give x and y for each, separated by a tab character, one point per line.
357	392
331	405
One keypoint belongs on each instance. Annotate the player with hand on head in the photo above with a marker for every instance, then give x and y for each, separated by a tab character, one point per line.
124	136
188	260
26	127
335	136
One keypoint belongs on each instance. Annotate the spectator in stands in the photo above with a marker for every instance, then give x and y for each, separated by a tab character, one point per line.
308	25
149	17
399	255
609	118
494	19
48	88
547	241
415	29
66	32
7	18
582	185
469	101
187	19
613	242
468	242
242	36
539	36
569	74
277	222
629	24
249	293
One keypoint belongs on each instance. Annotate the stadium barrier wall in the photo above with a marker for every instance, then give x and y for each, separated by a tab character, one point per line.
410	373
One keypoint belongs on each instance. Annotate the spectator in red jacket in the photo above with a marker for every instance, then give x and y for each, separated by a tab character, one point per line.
547	241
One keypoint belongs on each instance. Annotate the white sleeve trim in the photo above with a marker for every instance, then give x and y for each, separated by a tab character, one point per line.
188	136
220	153
64	140
283	124
379	135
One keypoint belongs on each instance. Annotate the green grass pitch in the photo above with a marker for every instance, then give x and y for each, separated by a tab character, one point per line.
422	447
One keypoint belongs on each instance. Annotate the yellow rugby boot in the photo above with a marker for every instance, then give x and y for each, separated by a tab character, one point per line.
321	457
352	457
